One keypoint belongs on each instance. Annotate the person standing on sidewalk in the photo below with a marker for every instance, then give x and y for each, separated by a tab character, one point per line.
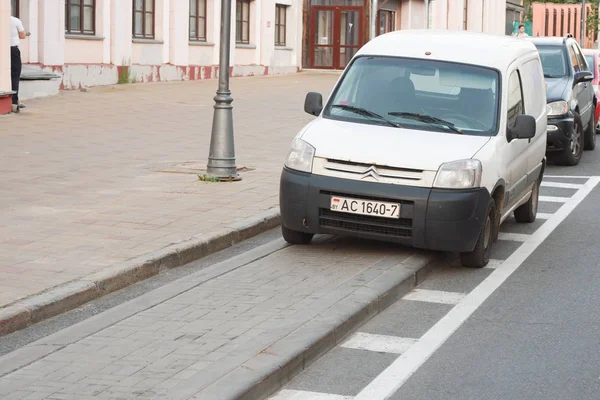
17	32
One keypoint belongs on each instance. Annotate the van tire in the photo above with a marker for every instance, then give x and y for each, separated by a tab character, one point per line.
567	157
528	211
480	256
295	237
590	135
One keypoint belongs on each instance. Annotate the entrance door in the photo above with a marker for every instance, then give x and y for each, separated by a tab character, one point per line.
336	35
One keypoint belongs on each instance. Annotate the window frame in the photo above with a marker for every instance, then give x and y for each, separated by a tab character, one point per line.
144	12
239	24
388	14
82	7
510	125
15	8
200	36
280	9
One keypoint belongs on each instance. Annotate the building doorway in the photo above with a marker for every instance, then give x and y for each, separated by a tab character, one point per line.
336	32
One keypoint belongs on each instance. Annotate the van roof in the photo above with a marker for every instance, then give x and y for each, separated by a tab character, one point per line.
496	51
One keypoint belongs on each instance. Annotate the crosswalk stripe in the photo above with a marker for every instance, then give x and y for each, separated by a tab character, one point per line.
554	199
305	395
562	185
543	215
435	296
513	237
378	343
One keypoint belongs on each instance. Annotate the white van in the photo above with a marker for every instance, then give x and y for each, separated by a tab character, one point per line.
429	139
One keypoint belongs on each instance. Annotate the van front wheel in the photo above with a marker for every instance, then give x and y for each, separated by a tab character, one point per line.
480	256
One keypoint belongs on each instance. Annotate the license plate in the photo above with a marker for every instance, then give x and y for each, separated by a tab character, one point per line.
365	207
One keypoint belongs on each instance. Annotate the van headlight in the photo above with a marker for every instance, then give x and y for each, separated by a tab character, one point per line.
557	108
300	156
461	174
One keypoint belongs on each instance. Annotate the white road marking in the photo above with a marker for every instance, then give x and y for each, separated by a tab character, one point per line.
393	377
562	185
378	343
493	264
554	199
543	215
434	296
514	237
569	177
304	395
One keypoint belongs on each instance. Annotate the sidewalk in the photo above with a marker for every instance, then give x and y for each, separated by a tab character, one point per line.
94	184
237	330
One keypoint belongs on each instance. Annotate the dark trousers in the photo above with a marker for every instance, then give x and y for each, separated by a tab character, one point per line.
15	71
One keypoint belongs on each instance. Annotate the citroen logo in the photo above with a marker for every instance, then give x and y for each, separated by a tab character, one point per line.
371	173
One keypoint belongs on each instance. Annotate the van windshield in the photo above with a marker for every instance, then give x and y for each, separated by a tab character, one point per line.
418	94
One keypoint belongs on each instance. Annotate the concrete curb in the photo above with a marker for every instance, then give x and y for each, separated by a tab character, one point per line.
68	296
270	370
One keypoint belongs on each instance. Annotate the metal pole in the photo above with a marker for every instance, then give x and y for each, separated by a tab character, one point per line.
582	30
221	158
374	6
426	14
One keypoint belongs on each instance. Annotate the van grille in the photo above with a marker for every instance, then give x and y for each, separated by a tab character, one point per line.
401	228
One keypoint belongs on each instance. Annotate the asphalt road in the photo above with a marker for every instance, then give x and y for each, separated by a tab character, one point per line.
525	328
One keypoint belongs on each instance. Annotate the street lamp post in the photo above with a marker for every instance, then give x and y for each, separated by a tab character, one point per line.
373	25
221	157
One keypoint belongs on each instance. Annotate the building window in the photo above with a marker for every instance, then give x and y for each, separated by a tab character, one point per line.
569	21
554	23
198	20
546	22
465	14
80	17
280	24
562	22
143	19
386	21
242	20
14	8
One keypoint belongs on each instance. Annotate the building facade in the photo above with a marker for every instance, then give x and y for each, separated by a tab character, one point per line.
550	19
100	42
334	30
95	42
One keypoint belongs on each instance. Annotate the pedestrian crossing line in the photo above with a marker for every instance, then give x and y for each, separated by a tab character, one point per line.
513	237
493	264
378	343
554	199
543	215
562	185
568	176
305	395
435	296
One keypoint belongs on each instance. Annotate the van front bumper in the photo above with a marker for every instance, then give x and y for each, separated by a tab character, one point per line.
434	219
560	131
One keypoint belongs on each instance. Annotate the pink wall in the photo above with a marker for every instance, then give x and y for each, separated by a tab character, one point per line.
543	12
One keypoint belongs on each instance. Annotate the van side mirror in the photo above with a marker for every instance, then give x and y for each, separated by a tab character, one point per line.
583	76
524	128
313	104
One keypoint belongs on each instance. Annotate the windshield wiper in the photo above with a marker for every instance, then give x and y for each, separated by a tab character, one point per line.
427	119
551	76
366	113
